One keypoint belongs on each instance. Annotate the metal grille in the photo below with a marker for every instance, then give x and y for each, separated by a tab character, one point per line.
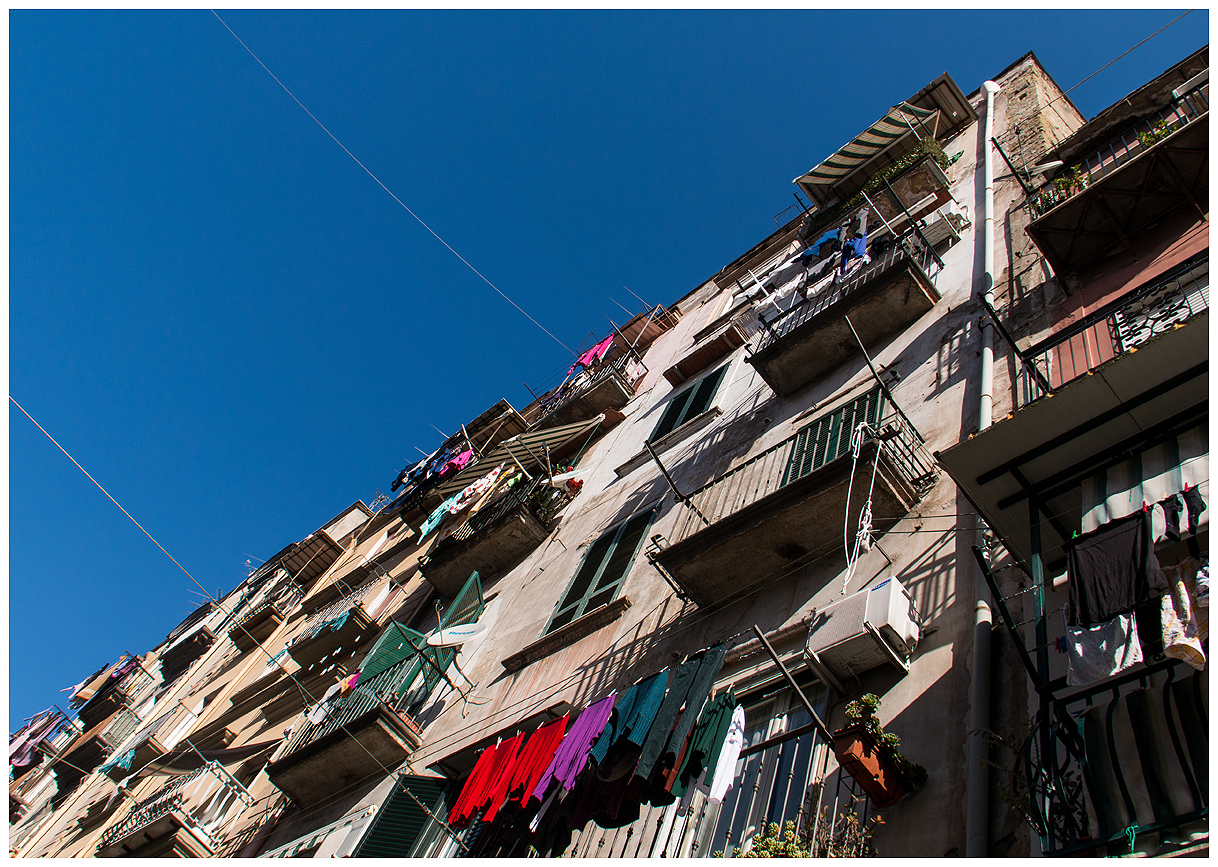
908	250
1191	107
123	724
335	609
625	366
366	697
1150	310
815	446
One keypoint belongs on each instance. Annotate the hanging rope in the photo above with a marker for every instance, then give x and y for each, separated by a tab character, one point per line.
862	537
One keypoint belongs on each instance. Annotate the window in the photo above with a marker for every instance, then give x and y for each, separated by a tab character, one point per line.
603	570
828	437
689	404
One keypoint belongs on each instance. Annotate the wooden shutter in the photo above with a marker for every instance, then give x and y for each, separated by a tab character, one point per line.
400	820
603	570
692	402
397	643
466	607
827	438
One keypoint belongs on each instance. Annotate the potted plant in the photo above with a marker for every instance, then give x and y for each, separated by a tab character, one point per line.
871	756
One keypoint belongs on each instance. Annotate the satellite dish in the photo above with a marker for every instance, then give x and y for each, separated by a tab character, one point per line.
454	635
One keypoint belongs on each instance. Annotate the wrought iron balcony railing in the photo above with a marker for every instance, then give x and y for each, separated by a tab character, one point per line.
908	249
1137	738
120	728
201	799
388	690
1189	108
1114	329
625	366
536	497
807	451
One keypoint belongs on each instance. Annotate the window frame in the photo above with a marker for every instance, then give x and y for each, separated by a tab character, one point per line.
685	399
596	586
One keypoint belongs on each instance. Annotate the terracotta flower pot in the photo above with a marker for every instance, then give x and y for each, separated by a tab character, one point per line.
858	755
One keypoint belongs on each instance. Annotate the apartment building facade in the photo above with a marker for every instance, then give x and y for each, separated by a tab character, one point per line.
758	504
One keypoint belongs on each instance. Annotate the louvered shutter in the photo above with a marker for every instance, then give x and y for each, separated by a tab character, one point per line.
827	438
397	643
690	403
400	820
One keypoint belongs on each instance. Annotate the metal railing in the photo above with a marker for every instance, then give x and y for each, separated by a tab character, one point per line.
626	366
381	690
1093	761
909	249
1190	107
348	600
1116	328
536	497
124	723
794	458
200	798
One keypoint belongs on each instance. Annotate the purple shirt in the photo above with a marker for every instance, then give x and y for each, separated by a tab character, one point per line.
572	753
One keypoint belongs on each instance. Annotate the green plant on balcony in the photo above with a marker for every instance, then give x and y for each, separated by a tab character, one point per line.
1020	794
1071	182
861	712
1159	131
848	836
924	148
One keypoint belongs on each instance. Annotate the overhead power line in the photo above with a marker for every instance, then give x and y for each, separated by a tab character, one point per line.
389	191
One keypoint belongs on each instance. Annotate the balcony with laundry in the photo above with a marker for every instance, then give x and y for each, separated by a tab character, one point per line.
602	380
1132	372
185	818
349	736
416	485
1133	165
115	688
339	621
503	505
785	506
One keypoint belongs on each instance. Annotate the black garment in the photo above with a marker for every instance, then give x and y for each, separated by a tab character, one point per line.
1171	510
1111	570
1196	505
690	687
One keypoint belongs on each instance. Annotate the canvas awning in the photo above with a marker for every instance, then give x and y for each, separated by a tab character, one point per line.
900	121
527	448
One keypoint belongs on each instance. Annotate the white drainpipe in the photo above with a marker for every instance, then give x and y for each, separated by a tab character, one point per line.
977	827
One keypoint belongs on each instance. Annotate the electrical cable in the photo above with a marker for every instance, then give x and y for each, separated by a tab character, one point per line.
386	189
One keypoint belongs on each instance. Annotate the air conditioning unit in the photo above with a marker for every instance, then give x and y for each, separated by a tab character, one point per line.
872	627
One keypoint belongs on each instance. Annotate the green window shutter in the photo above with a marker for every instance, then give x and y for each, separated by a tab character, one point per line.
603	570
466	607
692	402
397	643
400	820
827	438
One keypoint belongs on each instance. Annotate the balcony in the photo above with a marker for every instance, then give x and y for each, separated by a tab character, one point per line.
110	698
882	299
341	624
1115	329
184	819
785	506
496	537
364	732
259	624
606	389
1137	178
1134	755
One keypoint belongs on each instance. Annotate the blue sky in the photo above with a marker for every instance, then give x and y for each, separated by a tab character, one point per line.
238	333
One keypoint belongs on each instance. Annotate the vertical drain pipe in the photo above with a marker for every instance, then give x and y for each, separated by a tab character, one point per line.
977	829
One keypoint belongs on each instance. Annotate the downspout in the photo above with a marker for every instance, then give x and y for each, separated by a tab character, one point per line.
978	785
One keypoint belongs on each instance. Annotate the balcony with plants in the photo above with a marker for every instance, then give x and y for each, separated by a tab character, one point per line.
498	535
784	507
1155	166
186	818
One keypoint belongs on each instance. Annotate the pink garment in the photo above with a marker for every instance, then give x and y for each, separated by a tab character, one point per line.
457	464
596	353
348	683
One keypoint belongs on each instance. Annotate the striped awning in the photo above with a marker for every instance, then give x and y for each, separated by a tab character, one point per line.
527	448
899	121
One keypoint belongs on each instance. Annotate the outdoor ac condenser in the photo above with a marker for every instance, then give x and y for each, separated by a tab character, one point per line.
866	629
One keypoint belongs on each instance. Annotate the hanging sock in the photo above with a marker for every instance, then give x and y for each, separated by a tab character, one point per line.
1196	505
1172	506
